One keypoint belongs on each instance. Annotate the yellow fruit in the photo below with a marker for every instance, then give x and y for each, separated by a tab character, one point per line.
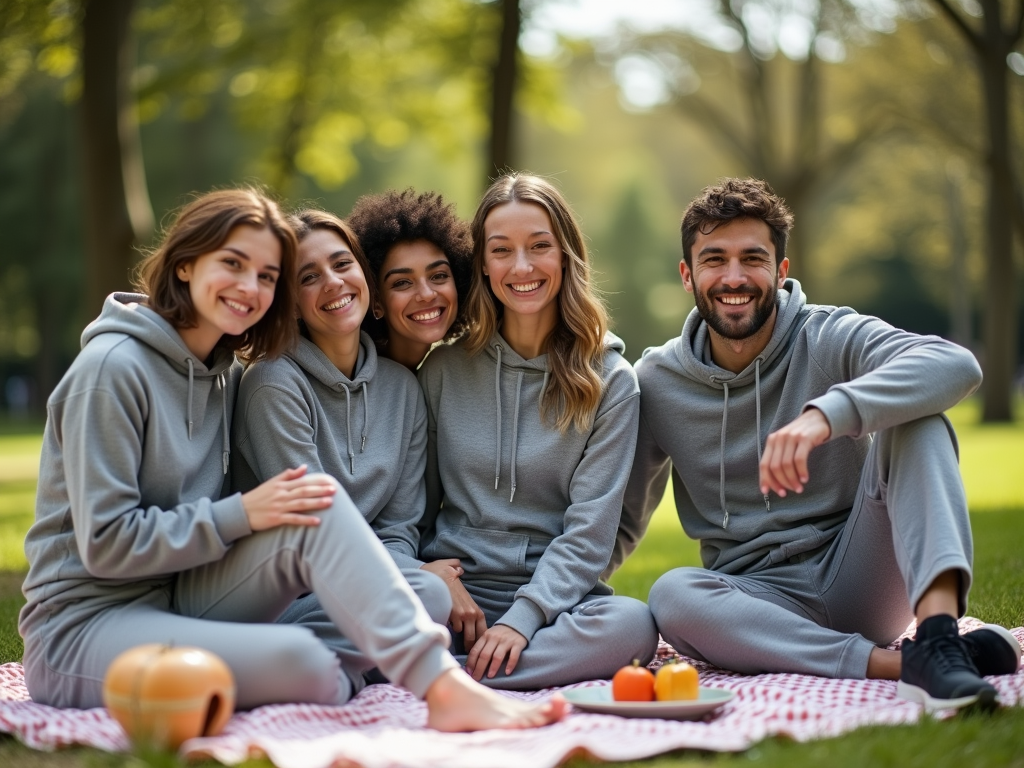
162	695
676	681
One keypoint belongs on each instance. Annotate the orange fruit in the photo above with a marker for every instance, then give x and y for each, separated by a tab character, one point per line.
676	681
163	695
633	683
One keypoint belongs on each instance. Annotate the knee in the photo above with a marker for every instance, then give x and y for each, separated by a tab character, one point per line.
681	596
929	434
637	617
309	667
432	592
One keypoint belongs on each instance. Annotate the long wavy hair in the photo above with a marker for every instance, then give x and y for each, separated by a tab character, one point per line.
575	348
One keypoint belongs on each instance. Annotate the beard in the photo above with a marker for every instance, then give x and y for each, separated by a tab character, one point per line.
764	305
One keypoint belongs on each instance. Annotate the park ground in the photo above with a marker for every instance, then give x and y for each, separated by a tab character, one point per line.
992	463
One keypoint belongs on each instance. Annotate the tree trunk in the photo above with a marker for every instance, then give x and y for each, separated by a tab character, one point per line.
503	91
1000	319
118	215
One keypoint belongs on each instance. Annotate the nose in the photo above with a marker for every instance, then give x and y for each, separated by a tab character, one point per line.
522	263
424	290
249	283
734	273
334	281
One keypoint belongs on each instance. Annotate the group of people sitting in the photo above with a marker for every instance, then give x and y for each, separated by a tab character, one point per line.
436	454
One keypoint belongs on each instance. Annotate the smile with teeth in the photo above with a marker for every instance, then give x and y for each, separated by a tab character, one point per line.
237	306
525	287
341	303
427	314
736	299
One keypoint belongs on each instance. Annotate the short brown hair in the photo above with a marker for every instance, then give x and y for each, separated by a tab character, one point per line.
306	221
202	226
736	199
390	218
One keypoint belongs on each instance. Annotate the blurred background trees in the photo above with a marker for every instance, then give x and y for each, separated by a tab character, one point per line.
894	129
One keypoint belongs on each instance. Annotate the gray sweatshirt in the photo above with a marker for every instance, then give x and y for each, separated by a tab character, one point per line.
369	432
529	510
708	426
135	453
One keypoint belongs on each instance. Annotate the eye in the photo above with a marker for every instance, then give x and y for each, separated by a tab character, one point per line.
308	277
400	283
269	278
541	245
232	261
342	264
440	277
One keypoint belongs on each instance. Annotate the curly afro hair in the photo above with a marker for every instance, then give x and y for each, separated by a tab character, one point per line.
385	220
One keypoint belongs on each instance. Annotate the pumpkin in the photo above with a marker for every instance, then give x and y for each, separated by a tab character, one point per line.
633	683
676	681
162	695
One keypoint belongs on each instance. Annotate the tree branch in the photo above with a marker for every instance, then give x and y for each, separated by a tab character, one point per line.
973	38
1017	30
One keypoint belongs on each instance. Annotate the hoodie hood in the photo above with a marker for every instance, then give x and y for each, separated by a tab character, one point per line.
694	361
126	313
501	352
312	360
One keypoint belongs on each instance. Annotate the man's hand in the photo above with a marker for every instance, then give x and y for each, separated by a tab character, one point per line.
491	649
449	570
466	617
784	463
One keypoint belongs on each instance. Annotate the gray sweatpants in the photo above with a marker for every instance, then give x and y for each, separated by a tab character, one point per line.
227	607
591	641
822	612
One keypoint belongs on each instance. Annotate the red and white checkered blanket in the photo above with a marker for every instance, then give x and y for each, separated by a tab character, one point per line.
384	725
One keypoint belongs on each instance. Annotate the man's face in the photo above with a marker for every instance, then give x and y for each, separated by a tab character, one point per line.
734	279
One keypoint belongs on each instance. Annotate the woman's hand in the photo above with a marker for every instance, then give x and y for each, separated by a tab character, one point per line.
491	649
287	499
449	570
466	617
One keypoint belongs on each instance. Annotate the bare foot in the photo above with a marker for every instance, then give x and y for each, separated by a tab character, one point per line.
456	702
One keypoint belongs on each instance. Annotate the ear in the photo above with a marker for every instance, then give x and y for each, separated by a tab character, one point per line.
184	271
783	271
684	272
378	311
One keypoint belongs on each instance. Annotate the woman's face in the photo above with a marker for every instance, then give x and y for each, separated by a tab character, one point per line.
418	294
232	287
333	295
522	258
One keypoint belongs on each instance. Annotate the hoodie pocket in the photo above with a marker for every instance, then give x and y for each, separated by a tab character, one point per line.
482	551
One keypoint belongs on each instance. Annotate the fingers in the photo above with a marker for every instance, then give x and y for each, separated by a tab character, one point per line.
513	658
479	658
784	464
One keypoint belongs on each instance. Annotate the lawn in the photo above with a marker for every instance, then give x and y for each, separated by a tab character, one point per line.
992	462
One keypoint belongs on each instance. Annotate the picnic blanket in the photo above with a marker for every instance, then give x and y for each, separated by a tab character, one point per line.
383	727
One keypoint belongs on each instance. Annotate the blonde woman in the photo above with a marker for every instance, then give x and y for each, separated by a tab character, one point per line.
532	421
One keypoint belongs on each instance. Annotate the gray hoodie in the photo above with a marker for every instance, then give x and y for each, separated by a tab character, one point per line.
134	458
529	510
369	432
708	426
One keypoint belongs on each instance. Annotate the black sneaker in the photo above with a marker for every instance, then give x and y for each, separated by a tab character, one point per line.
937	671
993	650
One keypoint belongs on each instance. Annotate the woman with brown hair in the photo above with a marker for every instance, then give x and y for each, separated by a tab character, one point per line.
538	392
133	542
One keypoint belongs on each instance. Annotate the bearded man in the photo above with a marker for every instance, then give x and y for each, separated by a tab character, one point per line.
810	456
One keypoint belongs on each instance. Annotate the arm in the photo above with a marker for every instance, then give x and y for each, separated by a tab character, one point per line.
396	523
644	491
118	536
885	377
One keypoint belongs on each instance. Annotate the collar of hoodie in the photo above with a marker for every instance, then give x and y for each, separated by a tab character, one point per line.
311	359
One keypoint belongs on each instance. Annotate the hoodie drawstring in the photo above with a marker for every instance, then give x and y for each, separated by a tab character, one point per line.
189	411
721	448
757	421
515	434
348	432
366	417
497	400
721	459
226	455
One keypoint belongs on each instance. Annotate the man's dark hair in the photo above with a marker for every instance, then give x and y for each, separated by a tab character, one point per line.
732	199
385	220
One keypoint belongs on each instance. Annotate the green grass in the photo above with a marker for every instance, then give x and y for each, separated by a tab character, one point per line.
993	470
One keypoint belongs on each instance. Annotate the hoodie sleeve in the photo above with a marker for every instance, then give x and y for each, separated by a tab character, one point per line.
885	376
644	491
396	523
117	536
572	564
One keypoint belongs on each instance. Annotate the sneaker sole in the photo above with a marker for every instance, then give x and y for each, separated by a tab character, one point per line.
985	698
1004	633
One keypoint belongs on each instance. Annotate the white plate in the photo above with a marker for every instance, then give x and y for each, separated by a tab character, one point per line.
598	699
